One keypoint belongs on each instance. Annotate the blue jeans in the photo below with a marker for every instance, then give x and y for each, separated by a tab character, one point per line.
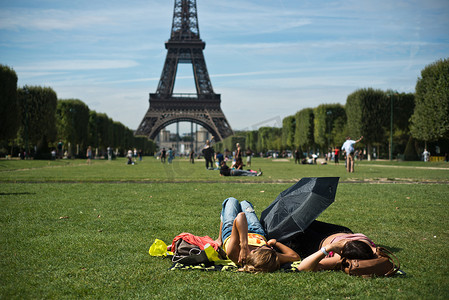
230	209
236	172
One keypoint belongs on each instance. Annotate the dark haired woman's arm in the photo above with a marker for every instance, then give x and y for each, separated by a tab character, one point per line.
317	260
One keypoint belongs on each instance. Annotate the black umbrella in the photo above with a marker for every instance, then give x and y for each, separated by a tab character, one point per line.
298	206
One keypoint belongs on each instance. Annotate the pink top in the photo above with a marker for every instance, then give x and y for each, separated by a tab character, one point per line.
352	237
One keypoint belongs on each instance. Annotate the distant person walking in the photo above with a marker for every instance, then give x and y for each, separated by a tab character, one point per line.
238	155
426	155
60	145
208	153
336	155
130	158
249	154
348	147
170	155
218	158
163	155
109	150
192	156
297	157
89	155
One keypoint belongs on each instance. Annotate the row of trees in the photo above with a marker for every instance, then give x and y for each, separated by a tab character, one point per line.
33	116
33	119
410	121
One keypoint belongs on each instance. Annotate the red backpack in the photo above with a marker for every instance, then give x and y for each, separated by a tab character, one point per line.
188	249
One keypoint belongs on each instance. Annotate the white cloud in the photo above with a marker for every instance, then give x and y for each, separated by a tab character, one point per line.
72	65
49	19
89	16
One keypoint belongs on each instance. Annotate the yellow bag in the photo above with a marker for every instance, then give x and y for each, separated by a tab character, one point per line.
159	248
212	255
215	257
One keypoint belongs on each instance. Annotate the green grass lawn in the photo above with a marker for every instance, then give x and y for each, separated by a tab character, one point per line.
71	230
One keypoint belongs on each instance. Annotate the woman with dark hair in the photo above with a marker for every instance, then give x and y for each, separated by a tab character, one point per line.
336	246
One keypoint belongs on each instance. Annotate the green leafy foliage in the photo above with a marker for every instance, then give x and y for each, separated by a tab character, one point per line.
38	108
105	130
430	120
304	128
403	107
410	152
288	132
252	139
269	138
230	142
366	110
328	122
9	106
367	113
73	121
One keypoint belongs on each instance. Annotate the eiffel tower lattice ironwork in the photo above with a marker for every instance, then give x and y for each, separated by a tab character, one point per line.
203	108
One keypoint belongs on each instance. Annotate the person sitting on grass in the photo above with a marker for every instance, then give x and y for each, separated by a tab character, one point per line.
336	246
226	171
239	164
243	239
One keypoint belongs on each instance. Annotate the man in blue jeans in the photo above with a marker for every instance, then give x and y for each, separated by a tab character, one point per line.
243	239
348	147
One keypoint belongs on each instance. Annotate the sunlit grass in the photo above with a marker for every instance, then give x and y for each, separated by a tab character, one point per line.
151	170
69	230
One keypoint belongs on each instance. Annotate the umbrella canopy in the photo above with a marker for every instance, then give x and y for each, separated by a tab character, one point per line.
298	206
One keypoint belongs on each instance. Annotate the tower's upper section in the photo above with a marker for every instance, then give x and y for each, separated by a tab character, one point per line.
185	22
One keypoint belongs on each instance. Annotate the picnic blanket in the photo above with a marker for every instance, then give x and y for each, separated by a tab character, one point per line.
229	267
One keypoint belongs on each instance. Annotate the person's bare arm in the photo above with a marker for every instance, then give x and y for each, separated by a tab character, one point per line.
219	241
317	260
237	248
286	253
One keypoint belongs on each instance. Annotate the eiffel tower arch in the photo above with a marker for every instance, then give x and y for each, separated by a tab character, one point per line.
202	107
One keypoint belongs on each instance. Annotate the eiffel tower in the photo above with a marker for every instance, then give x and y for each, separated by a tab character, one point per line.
166	107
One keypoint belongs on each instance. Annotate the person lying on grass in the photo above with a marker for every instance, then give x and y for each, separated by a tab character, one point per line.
242	237
336	246
226	171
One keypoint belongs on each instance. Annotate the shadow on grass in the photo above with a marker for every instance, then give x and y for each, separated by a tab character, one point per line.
392	249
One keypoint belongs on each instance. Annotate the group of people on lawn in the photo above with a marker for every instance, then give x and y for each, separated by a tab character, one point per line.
320	247
237	167
244	240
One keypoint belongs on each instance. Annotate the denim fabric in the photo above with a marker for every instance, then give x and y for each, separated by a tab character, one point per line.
231	208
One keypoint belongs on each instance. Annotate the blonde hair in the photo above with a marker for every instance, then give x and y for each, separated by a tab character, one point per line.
261	260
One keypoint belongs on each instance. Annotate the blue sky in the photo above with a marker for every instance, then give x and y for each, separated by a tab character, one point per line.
267	59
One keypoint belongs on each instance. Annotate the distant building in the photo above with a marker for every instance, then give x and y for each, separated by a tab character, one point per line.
166	139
